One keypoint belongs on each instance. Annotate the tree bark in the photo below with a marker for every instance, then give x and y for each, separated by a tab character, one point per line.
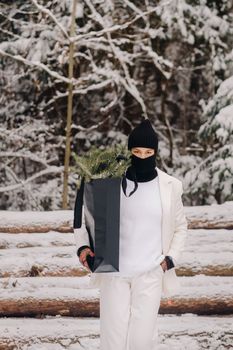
69	110
89	306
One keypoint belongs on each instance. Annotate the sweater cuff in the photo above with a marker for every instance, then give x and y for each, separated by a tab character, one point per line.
81	248
170	262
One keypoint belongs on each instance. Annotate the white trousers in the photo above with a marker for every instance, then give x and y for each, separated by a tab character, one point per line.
129	309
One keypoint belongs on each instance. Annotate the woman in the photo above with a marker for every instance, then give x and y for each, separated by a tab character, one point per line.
153	229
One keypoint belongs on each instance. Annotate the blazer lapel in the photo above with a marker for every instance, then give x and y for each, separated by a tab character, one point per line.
165	195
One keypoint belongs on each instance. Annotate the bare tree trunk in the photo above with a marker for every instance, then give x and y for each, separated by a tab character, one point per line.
166	122
69	110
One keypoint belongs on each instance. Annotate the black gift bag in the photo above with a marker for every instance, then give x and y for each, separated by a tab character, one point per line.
101	202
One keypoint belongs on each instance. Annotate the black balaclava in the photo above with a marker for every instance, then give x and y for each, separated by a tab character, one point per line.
141	169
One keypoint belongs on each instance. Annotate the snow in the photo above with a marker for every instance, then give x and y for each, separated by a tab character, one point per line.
35	219
61	243
113	44
78	288
44	221
226	89
116	47
55	253
224	121
30	239
23	240
214	214
185	332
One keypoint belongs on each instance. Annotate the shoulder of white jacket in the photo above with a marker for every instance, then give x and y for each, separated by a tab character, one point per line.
174	179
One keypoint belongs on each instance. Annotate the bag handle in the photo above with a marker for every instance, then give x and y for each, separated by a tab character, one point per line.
124	183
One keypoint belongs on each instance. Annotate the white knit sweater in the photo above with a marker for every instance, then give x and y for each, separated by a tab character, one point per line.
140	229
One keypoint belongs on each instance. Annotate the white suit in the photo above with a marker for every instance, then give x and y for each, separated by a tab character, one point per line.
174	230
129	305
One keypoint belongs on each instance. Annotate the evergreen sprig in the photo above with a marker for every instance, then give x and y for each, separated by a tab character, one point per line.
102	163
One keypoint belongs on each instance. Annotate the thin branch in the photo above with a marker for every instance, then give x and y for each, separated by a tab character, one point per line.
11	172
31	156
157	60
151	53
128	82
109	106
82	91
135	9
50	170
9	33
20	21
36	64
51	15
93	127
116	27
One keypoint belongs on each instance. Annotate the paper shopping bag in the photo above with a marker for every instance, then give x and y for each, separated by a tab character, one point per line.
101	203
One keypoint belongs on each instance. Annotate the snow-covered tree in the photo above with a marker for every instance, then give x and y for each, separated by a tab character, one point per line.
131	57
212	178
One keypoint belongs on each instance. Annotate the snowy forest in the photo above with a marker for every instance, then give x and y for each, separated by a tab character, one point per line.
78	76
170	60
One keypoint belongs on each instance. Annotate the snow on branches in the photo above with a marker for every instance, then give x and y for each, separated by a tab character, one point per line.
156	58
214	173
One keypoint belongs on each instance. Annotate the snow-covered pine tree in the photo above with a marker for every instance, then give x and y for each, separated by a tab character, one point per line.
212	179
130	56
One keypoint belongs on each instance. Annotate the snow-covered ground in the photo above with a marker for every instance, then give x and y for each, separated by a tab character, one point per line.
185	332
54	253
41	277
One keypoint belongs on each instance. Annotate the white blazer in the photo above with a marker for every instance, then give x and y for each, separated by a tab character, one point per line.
174	231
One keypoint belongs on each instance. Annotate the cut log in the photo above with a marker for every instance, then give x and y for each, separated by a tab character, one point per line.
26	240
73	297
206	216
209	258
212	240
210	216
79	305
40	261
53	333
36	221
175	332
36	307
208	270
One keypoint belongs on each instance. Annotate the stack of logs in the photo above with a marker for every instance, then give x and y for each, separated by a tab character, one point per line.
41	274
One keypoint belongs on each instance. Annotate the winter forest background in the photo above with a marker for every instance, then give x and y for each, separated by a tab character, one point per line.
169	60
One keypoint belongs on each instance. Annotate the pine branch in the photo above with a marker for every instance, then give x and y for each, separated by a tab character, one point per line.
101	164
